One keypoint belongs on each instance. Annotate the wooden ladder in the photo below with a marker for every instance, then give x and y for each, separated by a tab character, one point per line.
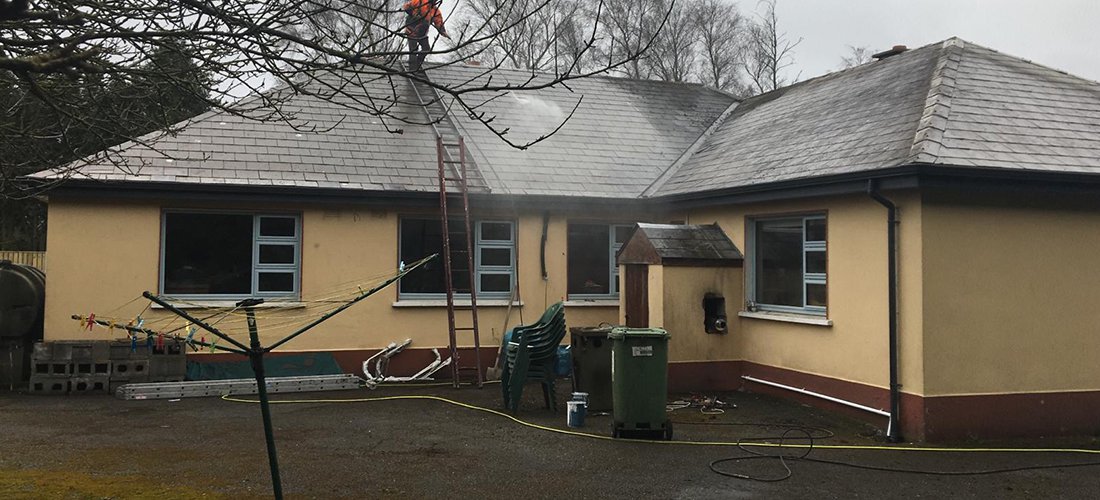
452	156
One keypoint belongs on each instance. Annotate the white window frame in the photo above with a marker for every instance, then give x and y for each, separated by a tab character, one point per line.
479	243
257	267
613	268
807	278
481	269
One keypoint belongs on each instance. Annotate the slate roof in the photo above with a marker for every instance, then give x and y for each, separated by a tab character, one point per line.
621	137
995	110
688	242
949	104
331	148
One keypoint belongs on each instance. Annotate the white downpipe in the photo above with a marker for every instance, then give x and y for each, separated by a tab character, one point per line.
822	396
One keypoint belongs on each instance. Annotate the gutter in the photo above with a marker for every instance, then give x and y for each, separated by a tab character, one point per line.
908	176
428	199
894	429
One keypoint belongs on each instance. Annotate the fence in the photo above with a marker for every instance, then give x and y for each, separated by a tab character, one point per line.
35	259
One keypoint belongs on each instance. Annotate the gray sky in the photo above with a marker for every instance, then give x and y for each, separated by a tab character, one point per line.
1062	34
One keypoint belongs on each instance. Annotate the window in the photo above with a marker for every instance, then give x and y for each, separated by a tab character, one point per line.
229	255
591	259
494	258
788	264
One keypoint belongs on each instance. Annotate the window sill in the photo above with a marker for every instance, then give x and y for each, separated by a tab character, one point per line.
458	303
221	304
803	319
592	303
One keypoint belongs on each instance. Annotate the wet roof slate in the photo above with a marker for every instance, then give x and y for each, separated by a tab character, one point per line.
689	242
948	104
951	104
623	134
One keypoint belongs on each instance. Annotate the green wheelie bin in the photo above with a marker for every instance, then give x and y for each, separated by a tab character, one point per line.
639	381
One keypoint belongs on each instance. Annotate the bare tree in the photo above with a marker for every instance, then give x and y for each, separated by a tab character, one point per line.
629	25
699	41
723	38
855	57
363	26
50	51
546	39
770	51
673	56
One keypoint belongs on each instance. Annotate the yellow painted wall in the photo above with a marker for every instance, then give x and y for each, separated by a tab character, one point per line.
102	255
1012	294
854	348
682	313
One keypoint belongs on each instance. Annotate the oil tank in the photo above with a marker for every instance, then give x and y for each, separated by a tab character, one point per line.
22	300
22	295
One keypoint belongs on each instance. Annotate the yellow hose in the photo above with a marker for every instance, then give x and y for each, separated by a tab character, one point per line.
687	443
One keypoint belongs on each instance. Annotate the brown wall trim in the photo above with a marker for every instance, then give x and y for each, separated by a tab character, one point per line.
945	418
951	418
704	376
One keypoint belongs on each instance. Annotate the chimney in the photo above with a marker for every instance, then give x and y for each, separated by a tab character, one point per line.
897	49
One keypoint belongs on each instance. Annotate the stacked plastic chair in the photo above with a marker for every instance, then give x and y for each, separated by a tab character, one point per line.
530	354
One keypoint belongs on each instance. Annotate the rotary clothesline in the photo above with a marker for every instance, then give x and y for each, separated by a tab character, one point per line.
254	350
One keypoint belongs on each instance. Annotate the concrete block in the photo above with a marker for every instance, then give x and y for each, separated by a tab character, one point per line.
51	368
96	350
89	367
60	352
91	384
130	369
48	385
41	352
120	350
168	366
172	347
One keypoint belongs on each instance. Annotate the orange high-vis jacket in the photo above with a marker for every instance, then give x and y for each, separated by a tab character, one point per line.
419	14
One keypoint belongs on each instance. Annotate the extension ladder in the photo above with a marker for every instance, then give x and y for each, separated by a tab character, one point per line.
452	157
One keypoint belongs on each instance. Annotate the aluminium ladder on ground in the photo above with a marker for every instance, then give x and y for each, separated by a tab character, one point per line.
452	154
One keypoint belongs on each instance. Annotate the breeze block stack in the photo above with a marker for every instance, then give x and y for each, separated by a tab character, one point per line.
101	366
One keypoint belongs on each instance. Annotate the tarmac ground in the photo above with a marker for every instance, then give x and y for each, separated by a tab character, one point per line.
101	447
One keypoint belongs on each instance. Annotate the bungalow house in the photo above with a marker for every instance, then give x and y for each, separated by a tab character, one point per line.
991	164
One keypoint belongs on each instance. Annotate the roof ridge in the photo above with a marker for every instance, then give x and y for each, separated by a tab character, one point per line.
604	75
928	139
669	172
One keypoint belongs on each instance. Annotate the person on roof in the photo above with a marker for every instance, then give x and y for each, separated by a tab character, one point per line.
419	15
